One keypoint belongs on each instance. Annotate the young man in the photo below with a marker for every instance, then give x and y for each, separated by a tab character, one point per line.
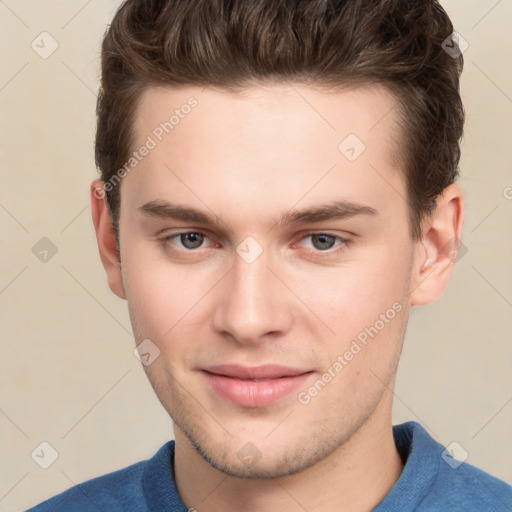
277	192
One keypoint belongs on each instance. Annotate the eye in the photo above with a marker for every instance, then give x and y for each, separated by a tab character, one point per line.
189	240
322	242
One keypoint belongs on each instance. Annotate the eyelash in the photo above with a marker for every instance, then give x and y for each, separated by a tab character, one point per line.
344	242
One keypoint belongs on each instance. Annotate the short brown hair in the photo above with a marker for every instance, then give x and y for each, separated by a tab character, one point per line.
233	43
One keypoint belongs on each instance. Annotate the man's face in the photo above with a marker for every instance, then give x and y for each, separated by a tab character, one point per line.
254	290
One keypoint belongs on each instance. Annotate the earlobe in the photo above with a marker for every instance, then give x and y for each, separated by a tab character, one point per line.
437	251
109	252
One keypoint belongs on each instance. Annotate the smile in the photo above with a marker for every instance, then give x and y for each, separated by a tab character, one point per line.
254	387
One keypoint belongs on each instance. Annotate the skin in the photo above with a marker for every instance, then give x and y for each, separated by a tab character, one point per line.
248	158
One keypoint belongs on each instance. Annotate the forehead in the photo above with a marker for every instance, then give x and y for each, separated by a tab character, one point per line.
273	142
294	113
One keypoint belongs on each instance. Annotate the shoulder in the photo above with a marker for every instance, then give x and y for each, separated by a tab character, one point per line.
459	485
433	480
466	487
116	491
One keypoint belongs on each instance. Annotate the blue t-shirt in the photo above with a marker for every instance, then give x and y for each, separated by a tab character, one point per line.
431	481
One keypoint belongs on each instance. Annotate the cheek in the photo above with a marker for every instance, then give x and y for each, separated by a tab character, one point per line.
365	308
352	297
163	298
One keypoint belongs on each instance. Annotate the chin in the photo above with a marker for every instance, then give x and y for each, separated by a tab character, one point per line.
259	458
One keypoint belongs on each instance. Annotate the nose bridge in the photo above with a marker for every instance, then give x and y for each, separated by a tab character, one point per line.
251	305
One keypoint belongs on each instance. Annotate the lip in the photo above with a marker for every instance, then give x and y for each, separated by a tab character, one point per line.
256	386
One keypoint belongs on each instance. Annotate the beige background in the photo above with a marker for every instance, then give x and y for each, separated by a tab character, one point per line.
68	375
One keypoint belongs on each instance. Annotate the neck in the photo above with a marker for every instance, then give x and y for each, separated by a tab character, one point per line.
356	476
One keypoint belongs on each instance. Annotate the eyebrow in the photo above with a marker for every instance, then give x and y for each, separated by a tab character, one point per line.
335	210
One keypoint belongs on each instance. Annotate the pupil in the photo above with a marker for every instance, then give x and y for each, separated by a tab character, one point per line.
191	240
325	241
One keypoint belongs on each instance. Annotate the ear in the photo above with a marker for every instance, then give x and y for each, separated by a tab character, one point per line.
438	248
109	252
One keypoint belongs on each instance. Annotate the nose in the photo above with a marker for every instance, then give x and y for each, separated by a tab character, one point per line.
252	303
